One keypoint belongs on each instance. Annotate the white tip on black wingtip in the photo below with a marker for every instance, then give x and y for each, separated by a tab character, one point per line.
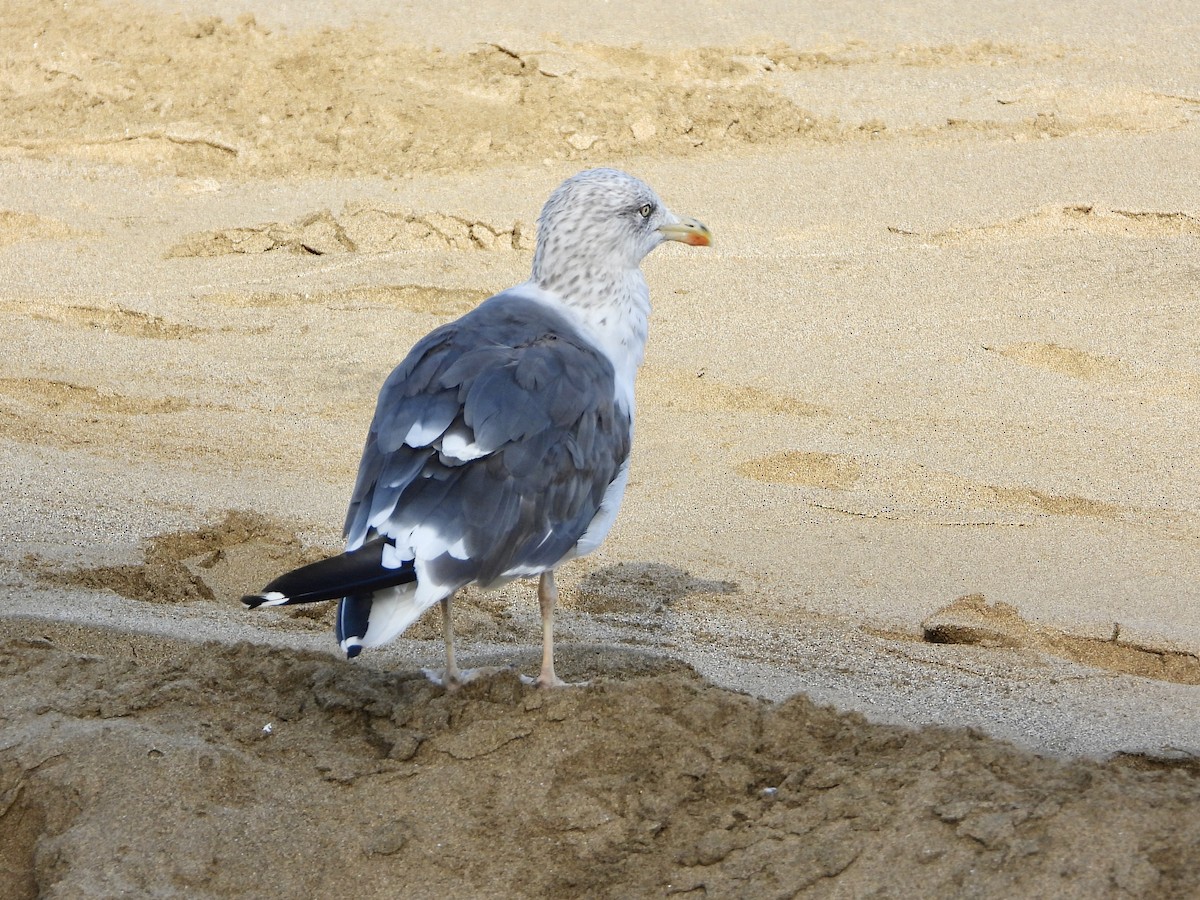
269	598
352	646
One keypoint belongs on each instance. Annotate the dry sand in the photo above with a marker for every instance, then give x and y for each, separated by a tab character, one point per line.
916	444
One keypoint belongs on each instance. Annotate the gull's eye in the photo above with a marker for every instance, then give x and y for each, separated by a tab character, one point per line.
645	211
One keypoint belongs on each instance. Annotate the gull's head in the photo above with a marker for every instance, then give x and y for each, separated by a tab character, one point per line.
599	225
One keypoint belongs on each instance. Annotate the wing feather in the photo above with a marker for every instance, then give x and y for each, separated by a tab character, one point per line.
533	438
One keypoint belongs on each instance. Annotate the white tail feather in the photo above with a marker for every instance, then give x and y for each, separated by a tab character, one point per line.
392	611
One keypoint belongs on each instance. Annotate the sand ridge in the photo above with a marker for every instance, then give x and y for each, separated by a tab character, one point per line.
252	101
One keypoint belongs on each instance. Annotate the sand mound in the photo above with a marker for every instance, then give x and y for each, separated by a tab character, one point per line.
972	620
230	771
222	561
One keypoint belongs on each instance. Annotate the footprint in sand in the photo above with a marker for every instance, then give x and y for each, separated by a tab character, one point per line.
127	322
832	471
1108	370
422	298
881	489
1066	361
34	410
692	391
640	588
1073	217
67	397
19	226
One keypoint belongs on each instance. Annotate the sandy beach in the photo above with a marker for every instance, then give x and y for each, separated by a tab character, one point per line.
904	597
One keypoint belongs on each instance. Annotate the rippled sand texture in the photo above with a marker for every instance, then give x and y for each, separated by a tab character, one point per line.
917	439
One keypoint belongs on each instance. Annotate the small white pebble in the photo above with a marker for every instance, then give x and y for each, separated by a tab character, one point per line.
268	729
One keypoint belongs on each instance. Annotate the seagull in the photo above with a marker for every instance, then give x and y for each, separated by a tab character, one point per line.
499	449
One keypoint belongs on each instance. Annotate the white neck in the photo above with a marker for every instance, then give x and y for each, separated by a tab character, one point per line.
618	323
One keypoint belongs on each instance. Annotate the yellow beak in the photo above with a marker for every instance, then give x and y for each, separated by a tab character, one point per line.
689	231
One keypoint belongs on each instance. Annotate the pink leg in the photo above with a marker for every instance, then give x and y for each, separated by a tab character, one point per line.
547	598
453	676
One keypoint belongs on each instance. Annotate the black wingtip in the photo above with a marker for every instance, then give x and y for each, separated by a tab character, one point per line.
353	651
352	572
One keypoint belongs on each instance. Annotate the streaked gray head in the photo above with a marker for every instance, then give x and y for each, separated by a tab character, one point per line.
597	227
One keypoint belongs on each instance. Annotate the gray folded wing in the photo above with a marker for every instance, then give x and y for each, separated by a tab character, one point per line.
492	446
